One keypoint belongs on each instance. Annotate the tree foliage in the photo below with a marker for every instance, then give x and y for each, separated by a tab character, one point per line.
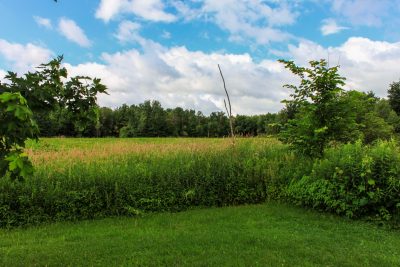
320	114
148	119
36	93
16	126
394	96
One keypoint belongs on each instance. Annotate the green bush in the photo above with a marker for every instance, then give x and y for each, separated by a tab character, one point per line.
353	180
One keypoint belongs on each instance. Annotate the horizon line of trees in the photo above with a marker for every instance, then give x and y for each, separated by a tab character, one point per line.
376	118
150	119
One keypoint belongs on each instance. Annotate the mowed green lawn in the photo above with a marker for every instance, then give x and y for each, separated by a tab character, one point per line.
271	234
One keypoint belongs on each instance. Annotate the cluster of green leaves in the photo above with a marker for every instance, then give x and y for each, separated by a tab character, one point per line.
353	180
16	126
319	116
320	113
334	127
39	92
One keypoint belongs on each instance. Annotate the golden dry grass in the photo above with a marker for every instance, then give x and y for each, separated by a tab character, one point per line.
99	150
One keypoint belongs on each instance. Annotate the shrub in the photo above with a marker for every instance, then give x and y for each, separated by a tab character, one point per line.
353	180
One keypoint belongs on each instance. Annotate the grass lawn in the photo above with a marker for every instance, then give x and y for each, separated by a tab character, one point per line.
259	235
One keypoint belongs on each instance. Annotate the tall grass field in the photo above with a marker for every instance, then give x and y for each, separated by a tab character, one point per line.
93	178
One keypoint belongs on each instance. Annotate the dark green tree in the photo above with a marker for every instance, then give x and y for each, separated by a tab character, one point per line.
107	122
394	96
246	125
218	125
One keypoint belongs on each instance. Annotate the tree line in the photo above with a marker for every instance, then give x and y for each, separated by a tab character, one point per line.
150	119
362	116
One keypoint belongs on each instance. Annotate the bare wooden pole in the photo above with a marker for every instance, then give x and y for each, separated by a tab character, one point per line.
228	111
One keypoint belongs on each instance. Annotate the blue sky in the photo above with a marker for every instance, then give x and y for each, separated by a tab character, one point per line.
168	50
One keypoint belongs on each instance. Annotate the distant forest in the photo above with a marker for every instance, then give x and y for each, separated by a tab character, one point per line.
150	119
375	118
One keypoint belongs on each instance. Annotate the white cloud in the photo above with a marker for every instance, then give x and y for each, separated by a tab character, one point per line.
73	32
152	10
364	12
24	57
179	77
368	65
256	19
251	12
128	31
329	26
185	10
43	22
251	19
109	9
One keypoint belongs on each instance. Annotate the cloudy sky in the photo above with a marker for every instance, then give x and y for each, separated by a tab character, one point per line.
168	50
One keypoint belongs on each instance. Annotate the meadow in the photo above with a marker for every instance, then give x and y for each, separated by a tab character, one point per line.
201	201
86	178
92	178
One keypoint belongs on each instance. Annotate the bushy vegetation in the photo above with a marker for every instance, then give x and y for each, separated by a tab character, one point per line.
335	127
92	178
323	113
89	183
353	180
